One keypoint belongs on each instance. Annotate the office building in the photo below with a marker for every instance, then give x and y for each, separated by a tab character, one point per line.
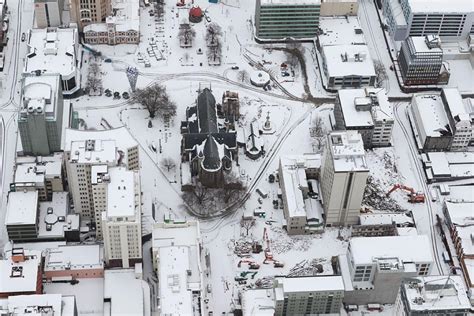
286	19
374	267
301	193
458	117
339	7
343	179
421	61
41	115
85	13
347	66
55	51
48	13
20	273
451	22
22	218
39	304
121	222
429	119
433	295
308	295
122	27
366	111
177	257
39	173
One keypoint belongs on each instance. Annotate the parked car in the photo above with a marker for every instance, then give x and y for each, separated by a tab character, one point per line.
23	36
235	67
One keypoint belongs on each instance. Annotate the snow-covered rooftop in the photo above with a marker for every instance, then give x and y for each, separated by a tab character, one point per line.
420	45
348	60
347	151
406	248
180	234
449	164
120	135
54	219
340	30
455	103
439	6
22	208
41	304
460	213
432	116
436	293
93	152
289	2
52	50
75	257
351	100
41	91
121	193
258	302
386	219
22	276
125	16
35	171
311	284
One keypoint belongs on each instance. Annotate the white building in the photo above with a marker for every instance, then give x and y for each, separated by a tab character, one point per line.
458	118
434	295
374	267
301	204
308	295
366	111
121	222
42	174
448	166
122	27
257	302
347	66
55	50
344	176
176	251
39	304
22	218
48	13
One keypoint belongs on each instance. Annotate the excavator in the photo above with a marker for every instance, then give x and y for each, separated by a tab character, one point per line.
413	196
252	264
268	254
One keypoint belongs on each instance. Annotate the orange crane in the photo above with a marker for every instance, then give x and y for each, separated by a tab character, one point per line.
268	253
413	196
252	264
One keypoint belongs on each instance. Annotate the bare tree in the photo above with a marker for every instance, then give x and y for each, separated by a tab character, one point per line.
186	34
168	163
214	53
213	34
243	75
318	132
232	189
380	72
156	100
94	79
247	224
198	194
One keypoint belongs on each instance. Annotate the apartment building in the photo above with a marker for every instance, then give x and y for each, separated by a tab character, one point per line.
54	50
366	111
38	173
121	222
48	13
86	12
308	295
420	60
374	267
301	193
41	116
343	179
458	117
433	295
286	19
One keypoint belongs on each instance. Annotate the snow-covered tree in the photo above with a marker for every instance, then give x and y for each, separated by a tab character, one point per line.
186	34
168	163
243	75
213	34
156	100
247	224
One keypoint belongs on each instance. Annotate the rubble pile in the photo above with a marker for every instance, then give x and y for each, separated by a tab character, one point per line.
242	247
281	242
265	282
375	197
308	268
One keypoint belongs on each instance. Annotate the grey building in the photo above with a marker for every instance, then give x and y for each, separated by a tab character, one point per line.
286	19
420	60
21	219
41	115
48	13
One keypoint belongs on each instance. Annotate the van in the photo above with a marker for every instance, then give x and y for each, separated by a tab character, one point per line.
351	308
446	257
374	307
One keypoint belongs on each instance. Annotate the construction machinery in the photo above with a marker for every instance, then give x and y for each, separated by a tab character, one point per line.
252	264
252	274
268	254
257	247
413	196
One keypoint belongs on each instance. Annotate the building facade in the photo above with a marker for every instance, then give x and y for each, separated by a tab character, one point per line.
84	13
459	119
308	295
21	219
41	116
343	179
339	7
121	222
48	13
286	19
420	60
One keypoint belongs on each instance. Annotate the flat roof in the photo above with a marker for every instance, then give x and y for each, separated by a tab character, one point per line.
37	170
312	284
440	6
353	117
436	293
54	219
432	115
289	2
347	151
455	103
420	46
258	302
74	257
22	208
406	248
121	192
339	30
183	234
124	140
460	213
294	179
125	17
452	164
41	90
93	151
385	219
341	60
52	50
27	272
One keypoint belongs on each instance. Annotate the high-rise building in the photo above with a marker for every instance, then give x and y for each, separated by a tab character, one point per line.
286	19
309	295
86	12
344	176
420	60
121	222
433	295
41	116
48	13
458	117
